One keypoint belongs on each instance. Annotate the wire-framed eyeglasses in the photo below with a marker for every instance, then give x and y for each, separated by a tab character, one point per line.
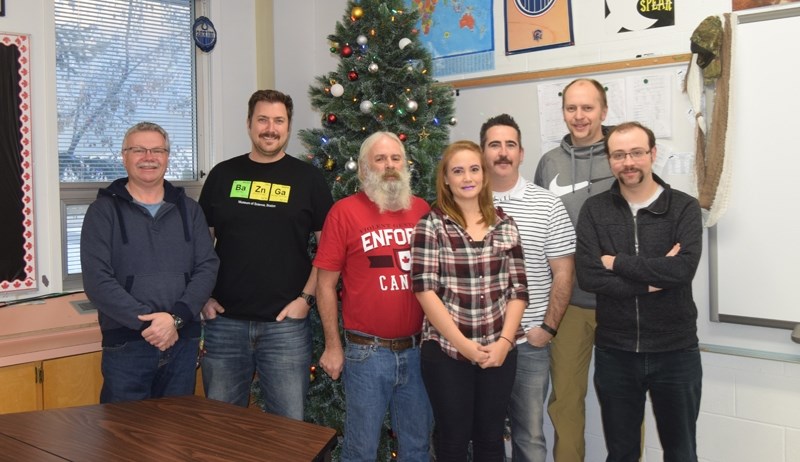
636	154
140	151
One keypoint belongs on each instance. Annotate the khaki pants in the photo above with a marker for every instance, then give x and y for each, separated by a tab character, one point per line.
570	356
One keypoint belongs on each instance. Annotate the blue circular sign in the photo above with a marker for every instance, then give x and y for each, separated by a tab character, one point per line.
205	35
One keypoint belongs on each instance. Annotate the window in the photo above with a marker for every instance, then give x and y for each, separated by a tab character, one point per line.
119	62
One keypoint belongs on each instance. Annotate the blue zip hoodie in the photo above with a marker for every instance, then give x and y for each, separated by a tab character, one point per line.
134	263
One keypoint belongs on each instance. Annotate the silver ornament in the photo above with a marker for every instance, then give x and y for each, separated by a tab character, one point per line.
361	40
453	121
366	106
411	106
372	68
351	165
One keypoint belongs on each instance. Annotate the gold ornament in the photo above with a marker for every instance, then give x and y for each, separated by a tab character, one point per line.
424	134
357	12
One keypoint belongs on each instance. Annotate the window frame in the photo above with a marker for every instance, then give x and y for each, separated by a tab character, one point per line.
84	193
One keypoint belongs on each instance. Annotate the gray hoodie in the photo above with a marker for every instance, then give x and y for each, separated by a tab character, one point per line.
575	173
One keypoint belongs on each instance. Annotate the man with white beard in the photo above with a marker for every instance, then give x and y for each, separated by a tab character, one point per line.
366	240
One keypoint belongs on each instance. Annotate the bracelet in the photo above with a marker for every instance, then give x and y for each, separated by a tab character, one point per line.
509	341
548	329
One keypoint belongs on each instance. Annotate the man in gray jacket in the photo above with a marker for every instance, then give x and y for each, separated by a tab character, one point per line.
149	267
639	246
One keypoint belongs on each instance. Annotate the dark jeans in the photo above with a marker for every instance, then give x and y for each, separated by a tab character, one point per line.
674	380
137	370
469	403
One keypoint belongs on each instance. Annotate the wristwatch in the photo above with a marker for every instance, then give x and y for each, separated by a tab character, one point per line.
178	321
310	299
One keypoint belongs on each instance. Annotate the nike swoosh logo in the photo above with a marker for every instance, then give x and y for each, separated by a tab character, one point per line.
559	190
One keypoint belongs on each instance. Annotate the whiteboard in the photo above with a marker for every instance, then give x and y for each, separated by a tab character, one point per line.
755	245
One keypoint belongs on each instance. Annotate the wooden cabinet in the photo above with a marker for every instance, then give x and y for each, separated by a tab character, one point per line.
71	381
50	384
20	388
56	383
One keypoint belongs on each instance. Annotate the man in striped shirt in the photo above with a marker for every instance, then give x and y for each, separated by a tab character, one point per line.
548	241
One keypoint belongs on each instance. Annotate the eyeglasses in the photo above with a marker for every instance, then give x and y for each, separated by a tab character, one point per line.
140	151
636	154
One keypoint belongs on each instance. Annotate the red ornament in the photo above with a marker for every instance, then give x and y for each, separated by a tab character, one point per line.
347	51
403	137
332	118
352	75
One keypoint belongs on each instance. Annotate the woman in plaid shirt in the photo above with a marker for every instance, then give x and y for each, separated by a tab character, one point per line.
469	276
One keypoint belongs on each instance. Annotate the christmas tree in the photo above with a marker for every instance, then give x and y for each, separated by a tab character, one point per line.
383	82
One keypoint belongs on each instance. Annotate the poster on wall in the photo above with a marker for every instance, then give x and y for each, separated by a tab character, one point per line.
533	25
634	15
747	4
459	35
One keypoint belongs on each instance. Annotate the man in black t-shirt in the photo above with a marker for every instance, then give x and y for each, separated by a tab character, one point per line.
262	208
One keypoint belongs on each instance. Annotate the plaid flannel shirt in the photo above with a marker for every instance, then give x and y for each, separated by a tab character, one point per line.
474	280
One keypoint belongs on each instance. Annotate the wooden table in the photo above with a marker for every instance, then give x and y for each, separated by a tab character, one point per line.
186	428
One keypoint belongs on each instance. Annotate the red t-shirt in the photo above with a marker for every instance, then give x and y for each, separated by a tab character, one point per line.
372	251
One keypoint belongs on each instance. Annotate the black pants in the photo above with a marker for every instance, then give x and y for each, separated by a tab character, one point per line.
469	403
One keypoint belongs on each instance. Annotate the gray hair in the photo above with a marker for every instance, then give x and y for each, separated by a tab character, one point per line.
368	143
146	127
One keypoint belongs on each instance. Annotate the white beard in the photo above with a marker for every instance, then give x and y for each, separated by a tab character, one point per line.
388	195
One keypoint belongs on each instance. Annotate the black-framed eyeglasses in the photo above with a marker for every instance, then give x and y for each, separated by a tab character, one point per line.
636	154
140	151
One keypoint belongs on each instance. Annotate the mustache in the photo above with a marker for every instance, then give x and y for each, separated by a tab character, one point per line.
147	165
269	135
502	160
391	174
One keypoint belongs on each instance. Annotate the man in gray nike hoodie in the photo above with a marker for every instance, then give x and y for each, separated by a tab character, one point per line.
574	171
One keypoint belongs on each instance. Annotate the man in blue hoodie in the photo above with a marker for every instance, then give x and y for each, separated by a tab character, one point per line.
148	266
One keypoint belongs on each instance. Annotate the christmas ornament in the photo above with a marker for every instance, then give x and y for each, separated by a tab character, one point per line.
404	42
351	165
361	40
424	134
352	75
372	68
366	106
347	51
332	118
337	90
357	13
412	106
453	121
403	137
329	164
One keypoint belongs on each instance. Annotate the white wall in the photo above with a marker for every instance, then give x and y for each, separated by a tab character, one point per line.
751	407
230	68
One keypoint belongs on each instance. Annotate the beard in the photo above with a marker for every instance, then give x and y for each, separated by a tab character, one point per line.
390	191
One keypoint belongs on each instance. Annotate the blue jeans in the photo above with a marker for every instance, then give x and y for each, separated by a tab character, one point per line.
674	380
528	396
137	370
280	352
376	379
469	404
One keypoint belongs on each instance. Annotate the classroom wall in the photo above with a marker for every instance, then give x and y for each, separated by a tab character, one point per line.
751	407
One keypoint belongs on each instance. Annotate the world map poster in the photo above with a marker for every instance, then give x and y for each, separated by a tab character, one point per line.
458	33
533	25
